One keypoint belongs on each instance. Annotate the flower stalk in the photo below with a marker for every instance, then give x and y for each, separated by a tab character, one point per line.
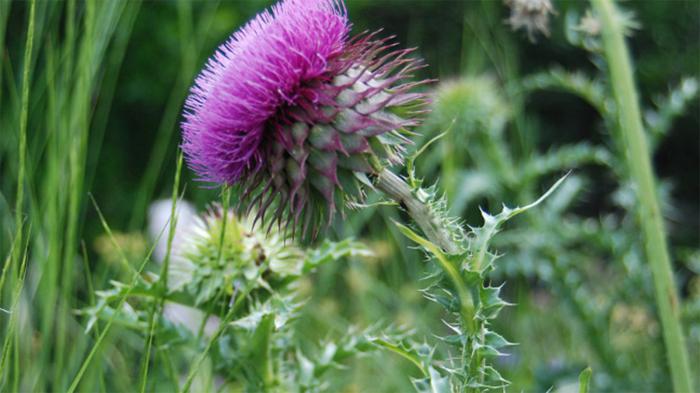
397	189
639	162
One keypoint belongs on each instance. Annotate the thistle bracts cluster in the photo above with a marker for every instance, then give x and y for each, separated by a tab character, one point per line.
294	112
235	283
217	258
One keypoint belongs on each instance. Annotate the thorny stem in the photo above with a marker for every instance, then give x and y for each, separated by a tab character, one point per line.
396	188
635	141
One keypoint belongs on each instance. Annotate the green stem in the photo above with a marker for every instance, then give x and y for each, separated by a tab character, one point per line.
449	166
19	253
396	188
639	163
452	272
440	239
159	307
404	354
198	362
22	151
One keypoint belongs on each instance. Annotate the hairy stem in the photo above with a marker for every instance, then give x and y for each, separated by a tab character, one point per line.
396	188
639	162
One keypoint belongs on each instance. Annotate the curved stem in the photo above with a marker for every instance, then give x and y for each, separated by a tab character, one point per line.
396	188
438	237
639	163
431	225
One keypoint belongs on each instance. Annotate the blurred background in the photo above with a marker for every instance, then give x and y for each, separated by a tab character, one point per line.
106	89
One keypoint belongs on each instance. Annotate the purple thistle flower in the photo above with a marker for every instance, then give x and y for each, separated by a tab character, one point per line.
294	111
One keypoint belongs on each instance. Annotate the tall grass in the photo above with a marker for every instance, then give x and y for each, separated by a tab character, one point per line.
637	149
190	38
67	87
11	342
63	86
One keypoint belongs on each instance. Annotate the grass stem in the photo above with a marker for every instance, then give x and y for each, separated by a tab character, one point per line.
23	115
639	162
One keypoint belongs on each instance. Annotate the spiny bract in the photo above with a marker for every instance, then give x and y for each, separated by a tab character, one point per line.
295	112
226	253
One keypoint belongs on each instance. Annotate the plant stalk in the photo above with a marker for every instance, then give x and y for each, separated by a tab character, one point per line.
396	188
22	150
639	162
438	236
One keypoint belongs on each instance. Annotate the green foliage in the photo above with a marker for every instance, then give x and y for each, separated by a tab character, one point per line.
557	247
584	380
658	121
234	286
472	302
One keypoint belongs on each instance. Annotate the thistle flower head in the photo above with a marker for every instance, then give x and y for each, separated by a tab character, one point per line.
293	111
